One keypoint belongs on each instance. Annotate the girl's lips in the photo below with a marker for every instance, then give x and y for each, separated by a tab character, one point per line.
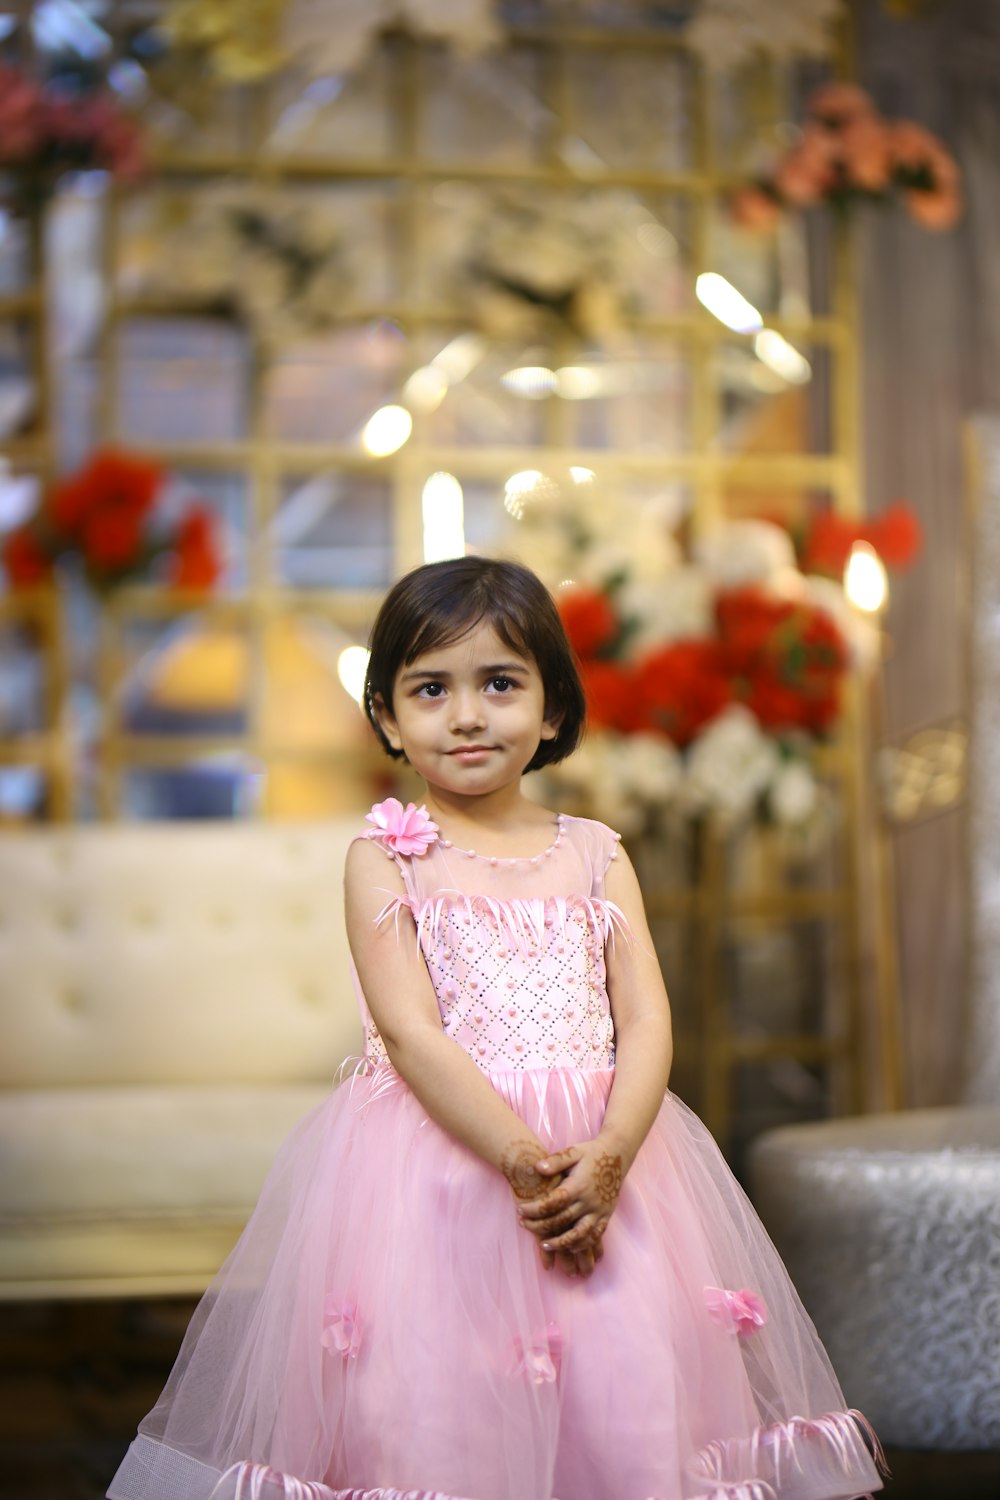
470	752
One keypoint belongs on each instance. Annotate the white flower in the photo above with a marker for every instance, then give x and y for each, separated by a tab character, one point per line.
729	32
740	552
794	795
652	769
328	37
729	765
675	607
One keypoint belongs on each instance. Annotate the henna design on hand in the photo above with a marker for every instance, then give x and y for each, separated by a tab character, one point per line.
608	1177
518	1164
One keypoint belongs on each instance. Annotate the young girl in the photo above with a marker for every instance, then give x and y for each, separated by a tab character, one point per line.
502	1263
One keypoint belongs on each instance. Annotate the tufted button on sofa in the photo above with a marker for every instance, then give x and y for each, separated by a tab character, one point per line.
173	998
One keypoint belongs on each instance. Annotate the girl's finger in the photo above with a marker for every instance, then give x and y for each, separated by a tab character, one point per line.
545	1204
585	1261
550	1165
573	1237
544	1227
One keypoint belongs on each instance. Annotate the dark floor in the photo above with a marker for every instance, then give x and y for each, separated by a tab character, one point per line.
76	1377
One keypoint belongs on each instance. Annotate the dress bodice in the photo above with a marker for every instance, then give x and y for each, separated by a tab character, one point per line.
515	948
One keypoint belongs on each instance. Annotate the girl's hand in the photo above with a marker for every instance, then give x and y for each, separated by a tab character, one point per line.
574	1214
520	1167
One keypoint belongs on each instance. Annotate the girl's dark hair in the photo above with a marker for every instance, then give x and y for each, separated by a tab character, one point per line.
440	602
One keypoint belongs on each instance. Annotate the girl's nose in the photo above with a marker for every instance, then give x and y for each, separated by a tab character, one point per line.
466	710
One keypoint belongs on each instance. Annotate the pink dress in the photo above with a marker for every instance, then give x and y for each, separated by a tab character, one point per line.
384	1326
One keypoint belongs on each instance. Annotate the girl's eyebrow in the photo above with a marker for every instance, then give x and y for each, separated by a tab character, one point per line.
490	671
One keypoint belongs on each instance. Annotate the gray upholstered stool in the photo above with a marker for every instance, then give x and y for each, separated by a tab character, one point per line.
890	1228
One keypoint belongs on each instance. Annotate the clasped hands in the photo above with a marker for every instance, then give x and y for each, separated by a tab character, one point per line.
566	1198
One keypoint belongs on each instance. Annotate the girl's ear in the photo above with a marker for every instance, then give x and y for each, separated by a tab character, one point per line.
551	725
386	721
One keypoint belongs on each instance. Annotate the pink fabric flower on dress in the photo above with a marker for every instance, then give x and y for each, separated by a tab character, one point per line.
540	1360
742	1311
404	830
341	1329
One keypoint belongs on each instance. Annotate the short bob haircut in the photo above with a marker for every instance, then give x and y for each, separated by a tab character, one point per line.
439	603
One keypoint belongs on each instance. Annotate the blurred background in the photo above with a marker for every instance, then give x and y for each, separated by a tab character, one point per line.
693	307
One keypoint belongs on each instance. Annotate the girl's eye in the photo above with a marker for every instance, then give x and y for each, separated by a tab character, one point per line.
501	684
430	690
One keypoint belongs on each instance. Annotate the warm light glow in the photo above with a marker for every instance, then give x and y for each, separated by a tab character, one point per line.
865	580
458	357
780	356
425	389
580	475
444	518
352	664
387	430
529	484
533	382
726	303
578	382
656	240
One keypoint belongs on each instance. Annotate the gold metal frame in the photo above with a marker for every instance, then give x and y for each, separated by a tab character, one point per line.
262	462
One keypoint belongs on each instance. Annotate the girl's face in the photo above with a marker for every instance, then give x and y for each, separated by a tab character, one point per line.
469	716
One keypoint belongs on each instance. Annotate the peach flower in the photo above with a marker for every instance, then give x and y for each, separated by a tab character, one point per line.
935	209
805	173
867	152
754	209
915	149
840	102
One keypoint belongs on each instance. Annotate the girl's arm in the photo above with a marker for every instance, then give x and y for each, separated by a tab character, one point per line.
398	991
577	1212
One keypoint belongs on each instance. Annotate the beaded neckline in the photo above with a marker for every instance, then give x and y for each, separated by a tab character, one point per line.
512	859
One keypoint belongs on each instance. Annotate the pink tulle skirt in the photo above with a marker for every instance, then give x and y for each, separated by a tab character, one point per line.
384	1327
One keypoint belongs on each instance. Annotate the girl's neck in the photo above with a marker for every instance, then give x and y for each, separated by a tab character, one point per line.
497	817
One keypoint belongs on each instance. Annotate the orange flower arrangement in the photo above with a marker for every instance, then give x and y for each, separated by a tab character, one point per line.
848	152
105	516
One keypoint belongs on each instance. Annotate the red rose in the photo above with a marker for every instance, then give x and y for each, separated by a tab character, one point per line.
112	538
682	687
829	542
786	659
748	621
589	620
612	693
196	563
775	704
25	562
111	479
896	535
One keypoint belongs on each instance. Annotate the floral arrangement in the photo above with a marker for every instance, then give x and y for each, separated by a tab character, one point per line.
709	678
45	134
105	516
895	535
246	40
847	153
523	266
726	33
279	262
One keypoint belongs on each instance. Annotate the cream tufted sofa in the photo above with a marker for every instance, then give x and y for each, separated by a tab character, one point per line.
173	998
